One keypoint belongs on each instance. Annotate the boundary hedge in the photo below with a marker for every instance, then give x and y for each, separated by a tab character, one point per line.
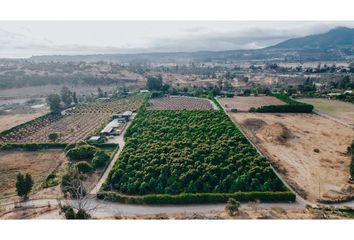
192	198
292	106
31	146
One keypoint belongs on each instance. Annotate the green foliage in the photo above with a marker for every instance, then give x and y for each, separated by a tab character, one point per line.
346	98
66	96
24	184
100	159
173	152
31	146
84	167
53	101
191	198
69	213
292	106
53	136
154	83
232	206
81	152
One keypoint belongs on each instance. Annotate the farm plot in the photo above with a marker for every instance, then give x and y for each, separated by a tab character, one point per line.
307	149
39	164
198	151
180	103
341	111
11	120
244	104
75	125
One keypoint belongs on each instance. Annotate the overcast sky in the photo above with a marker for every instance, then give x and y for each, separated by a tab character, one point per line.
25	39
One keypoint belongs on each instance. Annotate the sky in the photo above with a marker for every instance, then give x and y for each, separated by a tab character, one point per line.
25	39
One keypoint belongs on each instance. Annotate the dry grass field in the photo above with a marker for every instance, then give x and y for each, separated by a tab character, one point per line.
10	121
180	103
342	111
39	164
309	151
244	104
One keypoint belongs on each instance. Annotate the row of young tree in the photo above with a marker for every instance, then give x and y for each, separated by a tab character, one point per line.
188	152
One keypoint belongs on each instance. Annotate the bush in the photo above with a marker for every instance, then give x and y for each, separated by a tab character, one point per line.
191	198
301	108
84	167
53	136
81	152
232	206
24	184
100	159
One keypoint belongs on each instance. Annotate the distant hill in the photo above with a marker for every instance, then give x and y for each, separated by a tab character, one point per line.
337	38
334	45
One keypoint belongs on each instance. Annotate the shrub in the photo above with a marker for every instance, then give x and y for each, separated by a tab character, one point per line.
232	206
84	167
53	136
81	152
100	159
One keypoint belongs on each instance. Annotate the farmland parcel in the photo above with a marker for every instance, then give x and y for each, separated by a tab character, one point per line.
197	151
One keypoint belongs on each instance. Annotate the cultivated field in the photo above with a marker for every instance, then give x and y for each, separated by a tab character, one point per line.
341	111
244	104
9	121
75	125
180	103
39	164
196	151
307	149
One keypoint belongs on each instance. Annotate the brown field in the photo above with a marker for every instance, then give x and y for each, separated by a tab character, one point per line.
180	103
341	111
9	121
39	164
308	150
75	125
244	104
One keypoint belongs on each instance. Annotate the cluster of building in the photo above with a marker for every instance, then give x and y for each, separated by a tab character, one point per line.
114	127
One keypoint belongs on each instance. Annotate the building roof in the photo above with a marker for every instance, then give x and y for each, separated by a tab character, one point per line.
110	126
94	138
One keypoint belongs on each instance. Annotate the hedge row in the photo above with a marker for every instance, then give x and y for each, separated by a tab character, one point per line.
31	146
189	198
288	108
38	146
292	106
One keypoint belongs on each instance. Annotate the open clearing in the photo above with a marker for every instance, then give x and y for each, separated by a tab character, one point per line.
307	149
342	111
9	121
180	103
244	104
39	164
77	124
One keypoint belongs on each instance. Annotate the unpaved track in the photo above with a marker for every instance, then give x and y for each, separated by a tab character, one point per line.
121	142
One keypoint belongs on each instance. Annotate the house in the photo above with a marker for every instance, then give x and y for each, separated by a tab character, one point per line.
144	91
348	92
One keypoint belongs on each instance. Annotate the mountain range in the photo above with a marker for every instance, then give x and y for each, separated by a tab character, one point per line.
334	45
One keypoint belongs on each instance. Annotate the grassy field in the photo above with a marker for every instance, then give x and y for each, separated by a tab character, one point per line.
39	164
342	111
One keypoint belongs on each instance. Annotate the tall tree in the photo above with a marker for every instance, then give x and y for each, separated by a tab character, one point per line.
66	96
154	83
24	184
53	101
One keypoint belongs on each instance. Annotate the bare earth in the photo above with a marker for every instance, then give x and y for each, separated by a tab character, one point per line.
307	149
342	111
10	121
39	164
244	104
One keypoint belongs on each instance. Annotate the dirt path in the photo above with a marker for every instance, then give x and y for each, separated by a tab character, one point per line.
121	142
